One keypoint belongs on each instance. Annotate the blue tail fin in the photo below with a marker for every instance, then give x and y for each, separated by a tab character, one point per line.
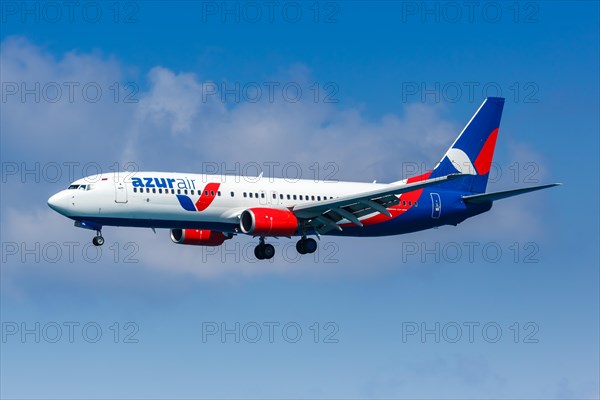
473	150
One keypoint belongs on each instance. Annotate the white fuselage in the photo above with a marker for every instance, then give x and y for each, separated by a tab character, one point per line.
155	199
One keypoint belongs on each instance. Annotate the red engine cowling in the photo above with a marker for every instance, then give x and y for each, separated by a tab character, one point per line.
268	222
198	237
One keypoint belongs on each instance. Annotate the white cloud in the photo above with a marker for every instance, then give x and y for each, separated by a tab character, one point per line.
63	108
174	127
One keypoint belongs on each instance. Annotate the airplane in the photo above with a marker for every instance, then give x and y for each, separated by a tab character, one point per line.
206	210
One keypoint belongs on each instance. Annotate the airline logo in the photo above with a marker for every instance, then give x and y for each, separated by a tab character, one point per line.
206	198
167	183
207	195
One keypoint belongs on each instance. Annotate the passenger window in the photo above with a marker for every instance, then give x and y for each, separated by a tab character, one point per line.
232	194
172	191
219	193
244	194
274	196
410	203
178	191
147	190
281	197
262	195
288	196
191	192
135	190
206	192
250	194
318	198
300	197
294	197
312	198
212	192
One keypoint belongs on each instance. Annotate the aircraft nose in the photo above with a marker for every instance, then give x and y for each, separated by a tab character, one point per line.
56	202
52	202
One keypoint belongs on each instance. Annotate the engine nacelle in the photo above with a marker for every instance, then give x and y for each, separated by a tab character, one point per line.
268	222
198	237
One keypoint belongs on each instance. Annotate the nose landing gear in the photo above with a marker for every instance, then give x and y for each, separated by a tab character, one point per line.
98	240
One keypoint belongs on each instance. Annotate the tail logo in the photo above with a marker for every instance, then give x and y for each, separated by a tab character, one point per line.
460	161
463	164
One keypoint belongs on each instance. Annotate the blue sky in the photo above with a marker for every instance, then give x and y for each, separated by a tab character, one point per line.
385	87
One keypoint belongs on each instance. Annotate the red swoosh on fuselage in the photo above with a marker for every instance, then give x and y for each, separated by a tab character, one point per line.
207	197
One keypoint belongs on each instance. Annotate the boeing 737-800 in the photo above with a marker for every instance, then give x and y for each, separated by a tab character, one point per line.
206	210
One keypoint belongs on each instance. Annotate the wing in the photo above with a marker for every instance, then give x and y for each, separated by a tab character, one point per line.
325	215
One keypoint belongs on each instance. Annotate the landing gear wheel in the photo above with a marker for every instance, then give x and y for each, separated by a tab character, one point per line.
268	251
264	251
98	240
310	245
259	252
300	246
306	246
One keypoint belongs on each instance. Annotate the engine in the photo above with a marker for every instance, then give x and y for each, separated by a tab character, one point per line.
198	237
268	222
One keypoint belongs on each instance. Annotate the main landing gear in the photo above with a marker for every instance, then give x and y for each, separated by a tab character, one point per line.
264	251
306	245
98	240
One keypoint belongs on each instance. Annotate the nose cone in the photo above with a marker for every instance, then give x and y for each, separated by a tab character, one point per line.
52	201
56	202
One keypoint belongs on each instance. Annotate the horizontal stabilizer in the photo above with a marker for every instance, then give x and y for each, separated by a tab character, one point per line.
485	197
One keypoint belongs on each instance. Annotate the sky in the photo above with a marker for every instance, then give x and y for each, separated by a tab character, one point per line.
505	305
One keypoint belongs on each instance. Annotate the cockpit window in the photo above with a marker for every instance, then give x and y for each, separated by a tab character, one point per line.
82	187
73	187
